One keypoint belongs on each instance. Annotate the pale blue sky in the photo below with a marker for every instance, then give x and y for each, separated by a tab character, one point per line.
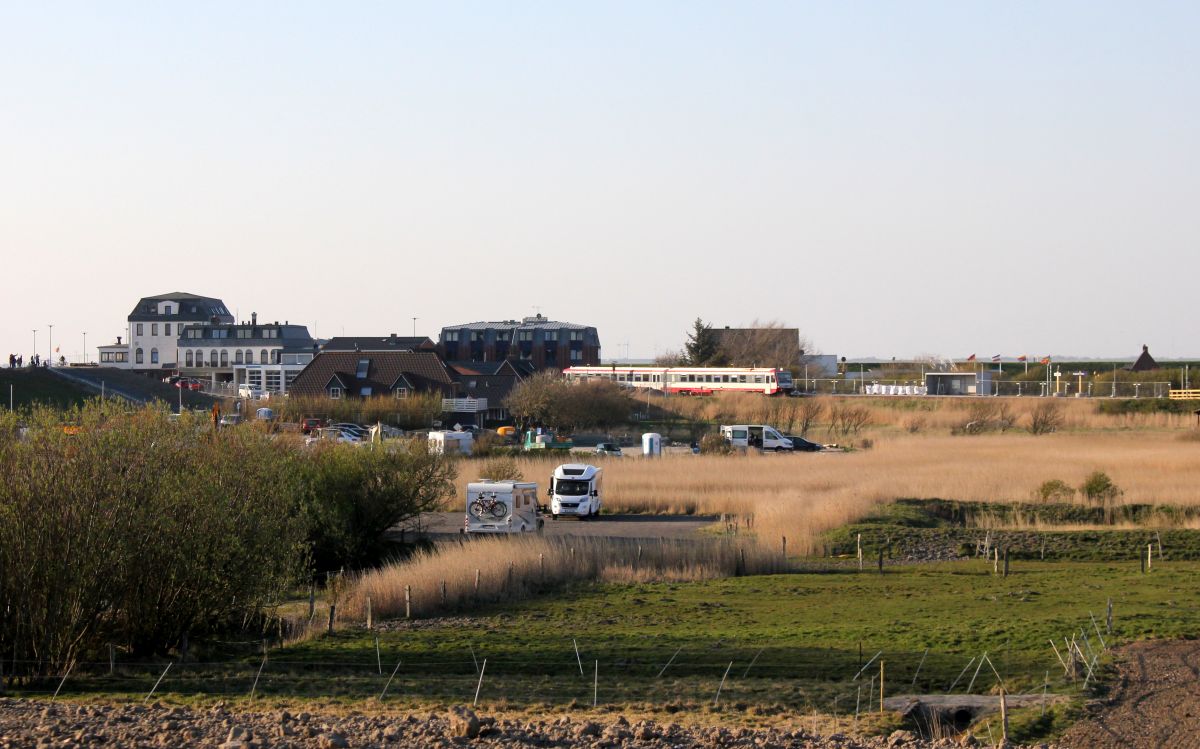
894	178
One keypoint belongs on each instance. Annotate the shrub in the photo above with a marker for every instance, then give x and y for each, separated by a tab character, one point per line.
715	444
355	494
1099	488
985	416
914	424
503	468
1055	490
847	420
136	529
1046	417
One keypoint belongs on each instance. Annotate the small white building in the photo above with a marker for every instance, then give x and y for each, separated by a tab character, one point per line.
958	383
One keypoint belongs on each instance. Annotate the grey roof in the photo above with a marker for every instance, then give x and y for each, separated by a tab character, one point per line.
536	321
292	337
191	308
378	343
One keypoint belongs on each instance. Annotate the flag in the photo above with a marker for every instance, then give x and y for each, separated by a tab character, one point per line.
996	358
1046	360
971	357
1022	357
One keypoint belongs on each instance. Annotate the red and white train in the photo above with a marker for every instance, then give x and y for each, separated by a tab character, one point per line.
691	380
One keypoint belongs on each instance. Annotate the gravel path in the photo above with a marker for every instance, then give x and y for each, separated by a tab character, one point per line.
26	723
443	524
1154	702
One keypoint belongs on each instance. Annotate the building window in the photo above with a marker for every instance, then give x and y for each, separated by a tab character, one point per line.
123	356
224	358
154	356
237	357
262	356
194	332
167	310
576	335
153	328
212	358
524	335
220	333
450	336
335	393
365	392
245	333
275	356
400	392
138	329
249	356
167	328
137	356
576	355
188	357
270	333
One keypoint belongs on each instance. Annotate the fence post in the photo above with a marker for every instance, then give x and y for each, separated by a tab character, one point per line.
332	616
312	600
784	549
112	653
477	584
1149	557
860	554
370	619
407	602
881	560
542	565
881	687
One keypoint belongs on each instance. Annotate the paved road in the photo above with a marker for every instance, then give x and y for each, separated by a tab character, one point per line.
441	524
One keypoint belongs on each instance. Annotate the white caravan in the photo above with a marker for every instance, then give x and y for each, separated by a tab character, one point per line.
451	443
502	507
576	489
758	436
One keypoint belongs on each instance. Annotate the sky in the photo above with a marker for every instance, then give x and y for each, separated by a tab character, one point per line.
894	178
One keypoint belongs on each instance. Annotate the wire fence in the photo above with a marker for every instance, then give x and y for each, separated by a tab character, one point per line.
1064	388
846	681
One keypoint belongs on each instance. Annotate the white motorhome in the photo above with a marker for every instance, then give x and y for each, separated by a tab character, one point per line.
502	507
576	489
450	443
759	436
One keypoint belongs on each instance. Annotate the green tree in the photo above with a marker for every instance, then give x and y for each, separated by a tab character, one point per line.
703	348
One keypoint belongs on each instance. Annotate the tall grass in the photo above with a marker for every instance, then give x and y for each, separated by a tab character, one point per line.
516	568
803	495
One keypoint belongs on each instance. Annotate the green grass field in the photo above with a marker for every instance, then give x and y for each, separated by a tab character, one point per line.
37	386
793	640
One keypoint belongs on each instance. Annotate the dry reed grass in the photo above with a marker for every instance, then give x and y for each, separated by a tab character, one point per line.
801	496
898	413
520	567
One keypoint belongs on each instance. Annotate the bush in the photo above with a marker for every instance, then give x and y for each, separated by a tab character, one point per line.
1047	417
1055	490
985	416
715	444
356	494
1098	488
136	529
504	468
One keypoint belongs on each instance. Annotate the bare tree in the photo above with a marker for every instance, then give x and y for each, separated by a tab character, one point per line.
764	344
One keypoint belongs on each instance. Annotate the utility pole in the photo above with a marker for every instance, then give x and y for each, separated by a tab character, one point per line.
51	345
85	356
415	326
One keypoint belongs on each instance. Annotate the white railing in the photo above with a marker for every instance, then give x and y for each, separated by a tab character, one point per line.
464	405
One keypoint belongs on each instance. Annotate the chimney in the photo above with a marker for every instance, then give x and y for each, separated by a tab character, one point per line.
118	340
254	318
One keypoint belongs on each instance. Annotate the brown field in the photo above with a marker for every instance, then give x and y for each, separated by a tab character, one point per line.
801	496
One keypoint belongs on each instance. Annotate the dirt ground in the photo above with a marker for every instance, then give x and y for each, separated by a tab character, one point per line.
1154	701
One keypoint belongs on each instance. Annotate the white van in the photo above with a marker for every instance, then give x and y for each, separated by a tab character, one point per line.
576	489
249	391
502	507
759	436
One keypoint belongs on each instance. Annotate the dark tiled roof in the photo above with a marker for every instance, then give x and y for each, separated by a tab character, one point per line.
205	308
483	367
424	370
1144	363
526	324
378	343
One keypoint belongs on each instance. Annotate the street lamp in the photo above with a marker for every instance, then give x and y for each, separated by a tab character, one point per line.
50	346
85	356
34	344
415	326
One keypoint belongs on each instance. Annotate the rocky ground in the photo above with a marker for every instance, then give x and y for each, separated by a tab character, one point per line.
29	723
1154	701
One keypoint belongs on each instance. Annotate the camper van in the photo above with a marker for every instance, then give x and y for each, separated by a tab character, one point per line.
451	443
576	489
502	507
759	436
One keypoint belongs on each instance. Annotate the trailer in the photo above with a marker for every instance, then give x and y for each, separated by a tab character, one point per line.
502	507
